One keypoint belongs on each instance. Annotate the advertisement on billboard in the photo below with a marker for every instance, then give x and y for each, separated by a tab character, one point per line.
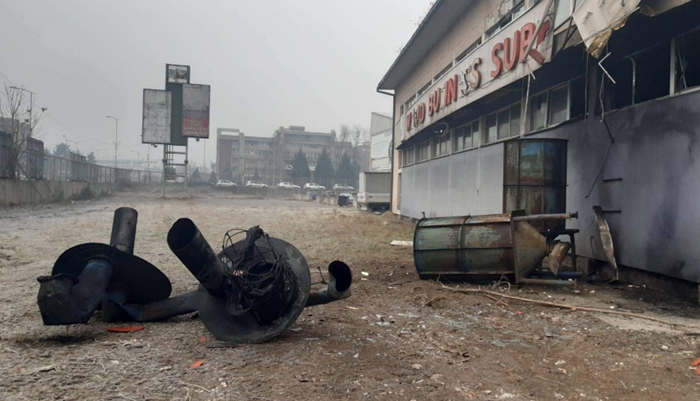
379	151
177	74
195	111
157	106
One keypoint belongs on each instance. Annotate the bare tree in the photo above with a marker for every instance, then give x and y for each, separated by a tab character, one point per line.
358	135
18	124
341	140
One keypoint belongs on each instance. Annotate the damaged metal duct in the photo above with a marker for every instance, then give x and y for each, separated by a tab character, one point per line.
338	287
256	287
85	274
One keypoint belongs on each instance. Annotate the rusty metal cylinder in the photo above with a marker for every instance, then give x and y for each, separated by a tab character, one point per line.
534	179
478	247
124	229
193	250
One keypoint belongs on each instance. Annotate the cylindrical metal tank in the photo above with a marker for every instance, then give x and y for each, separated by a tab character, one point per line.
470	246
535	179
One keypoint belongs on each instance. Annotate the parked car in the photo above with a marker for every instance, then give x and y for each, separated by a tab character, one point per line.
351	199
313	186
342	187
287	185
255	184
225	184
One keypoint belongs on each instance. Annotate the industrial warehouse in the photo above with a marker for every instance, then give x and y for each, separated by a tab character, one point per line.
512	105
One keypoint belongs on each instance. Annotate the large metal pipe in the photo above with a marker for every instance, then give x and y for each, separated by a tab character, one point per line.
114	307
124	229
542	217
66	299
338	287
193	250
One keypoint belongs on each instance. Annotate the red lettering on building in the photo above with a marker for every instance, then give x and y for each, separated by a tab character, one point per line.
409	121
511	51
434	101
451	90
526	34
420	114
476	74
497	62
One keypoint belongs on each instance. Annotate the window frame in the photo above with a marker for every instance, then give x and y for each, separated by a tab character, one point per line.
496	114
457	136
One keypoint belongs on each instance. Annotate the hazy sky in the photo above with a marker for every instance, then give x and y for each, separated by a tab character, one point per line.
270	63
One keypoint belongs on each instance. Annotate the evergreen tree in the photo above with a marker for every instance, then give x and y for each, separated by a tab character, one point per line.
300	166
345	170
324	169
196	175
62	150
212	178
91	157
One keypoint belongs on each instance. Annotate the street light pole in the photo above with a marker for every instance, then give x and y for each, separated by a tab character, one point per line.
116	134
31	106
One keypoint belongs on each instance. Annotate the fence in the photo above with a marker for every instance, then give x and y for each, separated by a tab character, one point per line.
38	166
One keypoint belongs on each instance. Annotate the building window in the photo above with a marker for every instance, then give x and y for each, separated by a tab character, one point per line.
442	72
407	156
687	69
464	136
559	105
490	132
468	50
503	124
423	151
441	145
424	88
538	112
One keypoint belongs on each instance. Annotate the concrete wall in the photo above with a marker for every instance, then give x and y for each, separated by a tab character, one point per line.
19	192
655	161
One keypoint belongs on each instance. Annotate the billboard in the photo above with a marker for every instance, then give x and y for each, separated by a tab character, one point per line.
177	74
195	111
380	145
157	113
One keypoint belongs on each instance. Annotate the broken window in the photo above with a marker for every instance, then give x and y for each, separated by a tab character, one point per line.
577	97
464	136
538	112
687	68
558	105
638	78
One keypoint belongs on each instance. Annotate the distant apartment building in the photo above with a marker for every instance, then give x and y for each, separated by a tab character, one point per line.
239	156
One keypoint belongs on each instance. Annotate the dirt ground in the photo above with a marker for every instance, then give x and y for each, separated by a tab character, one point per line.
396	337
